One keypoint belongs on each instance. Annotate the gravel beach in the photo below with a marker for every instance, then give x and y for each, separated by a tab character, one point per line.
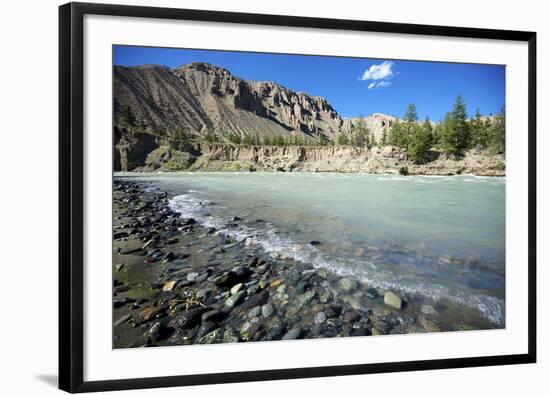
176	282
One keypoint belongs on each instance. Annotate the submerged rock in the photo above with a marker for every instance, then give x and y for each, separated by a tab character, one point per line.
190	317
216	336
292	334
122	319
320	318
255	300
212	315
192	276
393	300
169	286
428	309
267	310
236	288
427	324
305	298
154	332
352	316
230	336
372	293
233	300
255	312
348	284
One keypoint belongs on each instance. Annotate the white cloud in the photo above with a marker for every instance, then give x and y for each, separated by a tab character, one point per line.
379	85
378	71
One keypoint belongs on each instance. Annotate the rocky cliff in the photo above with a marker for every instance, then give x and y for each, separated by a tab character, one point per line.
133	152
200	98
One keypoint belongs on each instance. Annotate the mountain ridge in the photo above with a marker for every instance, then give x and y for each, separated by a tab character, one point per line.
201	98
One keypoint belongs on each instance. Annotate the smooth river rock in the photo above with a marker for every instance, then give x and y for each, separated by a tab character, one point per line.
233	300
393	300
348	284
292	334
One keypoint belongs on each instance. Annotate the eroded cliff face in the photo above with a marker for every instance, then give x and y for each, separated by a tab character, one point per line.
342	159
201	98
131	148
135	151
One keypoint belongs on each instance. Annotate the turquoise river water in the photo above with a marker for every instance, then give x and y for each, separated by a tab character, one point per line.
427	235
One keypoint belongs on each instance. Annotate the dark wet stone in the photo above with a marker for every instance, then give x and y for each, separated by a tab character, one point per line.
212	315
390	321
254	328
154	333
361	332
120	235
254	261
187	221
254	312
206	327
293	278
190	317
170	256
121	302
315	242
191	277
320	317
233	277
275	332
122	288
234	300
301	287
372	293
305	298
205	293
215	336
235	219
122	319
348	284
202	277
315	279
333	311
230	336
352	316
292	334
252	289
255	300
267	310
263	268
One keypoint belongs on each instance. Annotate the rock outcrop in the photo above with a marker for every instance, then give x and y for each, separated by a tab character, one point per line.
131	148
376	123
379	160
134	151
201	98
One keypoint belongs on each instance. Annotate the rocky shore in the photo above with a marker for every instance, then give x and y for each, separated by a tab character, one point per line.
176	282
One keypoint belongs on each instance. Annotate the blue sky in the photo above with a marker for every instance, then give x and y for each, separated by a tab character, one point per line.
354	86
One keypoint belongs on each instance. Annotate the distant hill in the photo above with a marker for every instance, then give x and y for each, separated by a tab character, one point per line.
200	98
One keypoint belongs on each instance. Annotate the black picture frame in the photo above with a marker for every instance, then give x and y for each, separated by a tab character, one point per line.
71	172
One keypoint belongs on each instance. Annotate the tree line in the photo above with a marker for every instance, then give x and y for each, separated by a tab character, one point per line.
453	135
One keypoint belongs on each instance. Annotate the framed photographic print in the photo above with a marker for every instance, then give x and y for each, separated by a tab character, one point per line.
257	197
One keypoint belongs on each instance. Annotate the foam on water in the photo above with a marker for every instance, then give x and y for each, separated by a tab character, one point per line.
272	241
